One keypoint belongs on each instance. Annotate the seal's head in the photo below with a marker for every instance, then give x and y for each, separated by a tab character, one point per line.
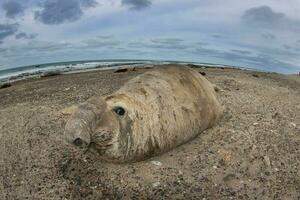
101	125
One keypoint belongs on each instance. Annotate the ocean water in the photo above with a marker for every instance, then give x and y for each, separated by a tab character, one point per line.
23	72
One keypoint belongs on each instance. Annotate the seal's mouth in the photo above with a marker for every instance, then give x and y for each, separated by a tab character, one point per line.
96	149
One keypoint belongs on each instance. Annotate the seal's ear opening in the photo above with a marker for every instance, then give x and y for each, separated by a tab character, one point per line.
119	110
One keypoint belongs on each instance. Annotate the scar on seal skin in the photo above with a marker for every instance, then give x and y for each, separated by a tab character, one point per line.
151	114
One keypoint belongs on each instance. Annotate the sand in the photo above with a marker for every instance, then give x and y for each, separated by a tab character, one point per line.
253	153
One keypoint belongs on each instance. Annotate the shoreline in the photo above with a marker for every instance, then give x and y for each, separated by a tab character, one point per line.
69	70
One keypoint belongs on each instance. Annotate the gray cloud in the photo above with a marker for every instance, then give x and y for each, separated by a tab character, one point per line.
7	30
12	9
160	43
23	35
217	36
60	11
88	3
137	4
105	37
292	49
167	41
286	46
43	46
265	17
202	43
268	36
257	61
98	43
244	52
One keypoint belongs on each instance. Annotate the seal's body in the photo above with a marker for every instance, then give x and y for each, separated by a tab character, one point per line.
152	113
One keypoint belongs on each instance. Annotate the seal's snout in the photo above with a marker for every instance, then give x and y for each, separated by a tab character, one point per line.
77	132
82	124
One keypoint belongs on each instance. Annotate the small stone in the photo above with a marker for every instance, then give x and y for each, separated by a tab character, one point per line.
66	89
156	184
215	167
157	163
293	124
267	161
255	124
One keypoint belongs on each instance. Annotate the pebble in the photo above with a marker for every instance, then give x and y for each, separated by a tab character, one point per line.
267	161
293	124
255	124
157	163
156	184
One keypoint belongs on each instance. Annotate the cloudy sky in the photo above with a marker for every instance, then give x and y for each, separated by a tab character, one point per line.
262	34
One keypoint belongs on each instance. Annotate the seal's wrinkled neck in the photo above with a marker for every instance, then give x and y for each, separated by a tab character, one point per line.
84	121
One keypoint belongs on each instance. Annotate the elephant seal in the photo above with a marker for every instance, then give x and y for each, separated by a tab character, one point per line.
151	114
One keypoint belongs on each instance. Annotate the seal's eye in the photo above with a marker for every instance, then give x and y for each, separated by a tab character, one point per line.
119	110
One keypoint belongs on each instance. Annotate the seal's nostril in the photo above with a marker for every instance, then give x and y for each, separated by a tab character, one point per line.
78	142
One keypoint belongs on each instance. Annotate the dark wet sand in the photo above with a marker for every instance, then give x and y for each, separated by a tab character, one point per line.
253	153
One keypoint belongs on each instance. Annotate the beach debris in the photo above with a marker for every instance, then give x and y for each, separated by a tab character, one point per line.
255	75
148	66
53	73
5	85
157	163
192	65
121	70
202	73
